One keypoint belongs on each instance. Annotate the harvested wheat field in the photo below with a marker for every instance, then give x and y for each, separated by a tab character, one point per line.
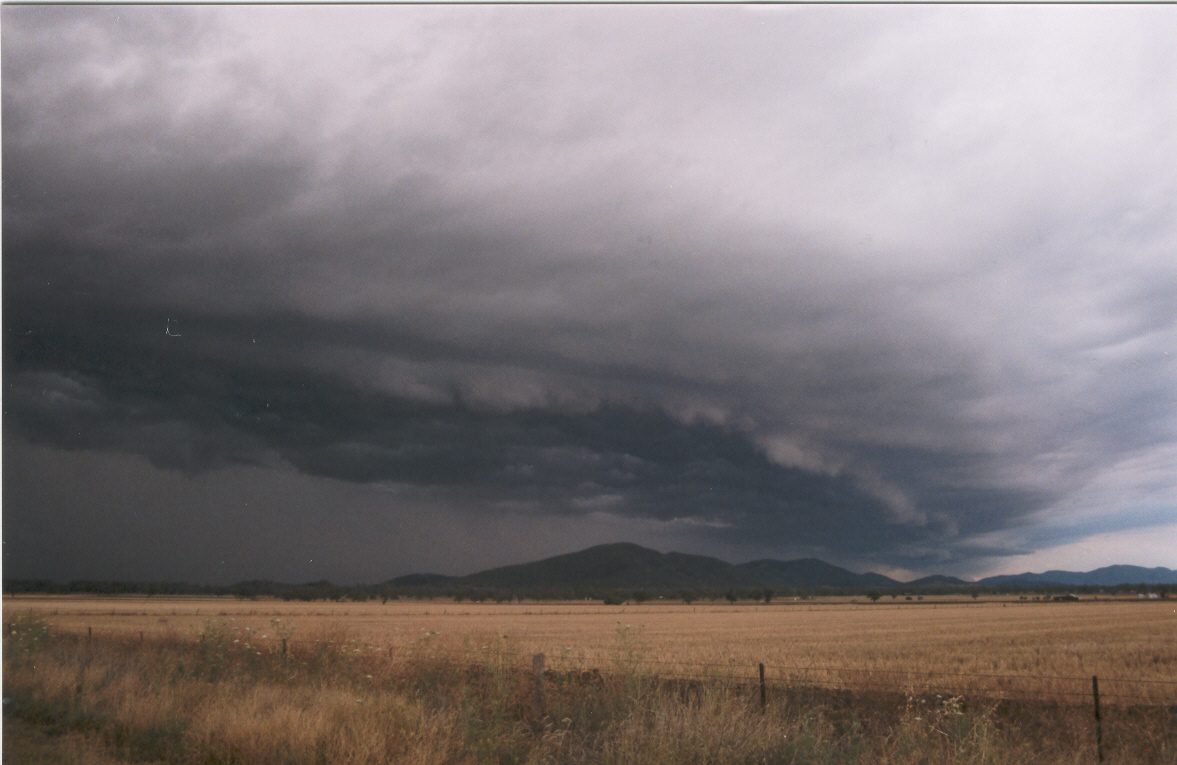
182	680
1023	648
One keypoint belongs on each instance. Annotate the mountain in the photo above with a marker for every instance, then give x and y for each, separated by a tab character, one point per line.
808	572
611	566
938	580
625	566
628	566
1108	576
624	570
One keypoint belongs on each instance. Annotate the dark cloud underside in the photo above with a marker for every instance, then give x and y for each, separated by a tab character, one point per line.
895	288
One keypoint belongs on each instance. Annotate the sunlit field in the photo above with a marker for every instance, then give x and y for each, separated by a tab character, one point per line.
189	680
1112	638
1020	646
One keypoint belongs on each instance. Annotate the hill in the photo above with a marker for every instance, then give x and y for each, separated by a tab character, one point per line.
623	565
1108	576
938	581
629	570
808	573
610	566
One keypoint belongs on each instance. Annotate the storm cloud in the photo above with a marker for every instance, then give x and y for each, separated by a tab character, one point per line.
894	287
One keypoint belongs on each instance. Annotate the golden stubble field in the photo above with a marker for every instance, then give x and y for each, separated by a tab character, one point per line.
1027	648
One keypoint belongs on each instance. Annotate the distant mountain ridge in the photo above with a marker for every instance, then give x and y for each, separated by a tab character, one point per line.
623	571
626	565
808	572
612	565
1108	576
938	580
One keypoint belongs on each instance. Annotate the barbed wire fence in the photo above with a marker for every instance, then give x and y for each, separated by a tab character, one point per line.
1072	689
789	682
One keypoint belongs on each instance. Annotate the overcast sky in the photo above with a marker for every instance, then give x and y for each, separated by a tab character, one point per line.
349	292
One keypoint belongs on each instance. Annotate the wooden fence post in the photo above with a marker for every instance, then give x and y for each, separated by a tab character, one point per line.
763	690
1098	721
537	671
89	634
283	646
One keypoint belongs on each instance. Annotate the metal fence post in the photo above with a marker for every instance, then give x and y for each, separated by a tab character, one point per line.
1098	721
537	671
763	690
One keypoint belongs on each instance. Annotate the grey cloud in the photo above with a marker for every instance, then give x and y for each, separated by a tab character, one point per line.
197	414
875	284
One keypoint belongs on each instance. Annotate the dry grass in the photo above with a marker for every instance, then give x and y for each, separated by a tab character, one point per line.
844	644
224	699
444	682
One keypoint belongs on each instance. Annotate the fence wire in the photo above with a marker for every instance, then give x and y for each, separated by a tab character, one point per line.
826	677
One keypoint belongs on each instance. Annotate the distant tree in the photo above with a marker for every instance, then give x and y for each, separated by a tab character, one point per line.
731	596
640	596
874	597
687	596
766	595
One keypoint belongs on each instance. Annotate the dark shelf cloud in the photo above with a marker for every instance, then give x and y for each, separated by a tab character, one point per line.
445	288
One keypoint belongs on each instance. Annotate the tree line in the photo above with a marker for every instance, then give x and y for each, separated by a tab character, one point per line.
328	591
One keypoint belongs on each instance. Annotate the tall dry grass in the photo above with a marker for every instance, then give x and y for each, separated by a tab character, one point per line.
227	698
1114	639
